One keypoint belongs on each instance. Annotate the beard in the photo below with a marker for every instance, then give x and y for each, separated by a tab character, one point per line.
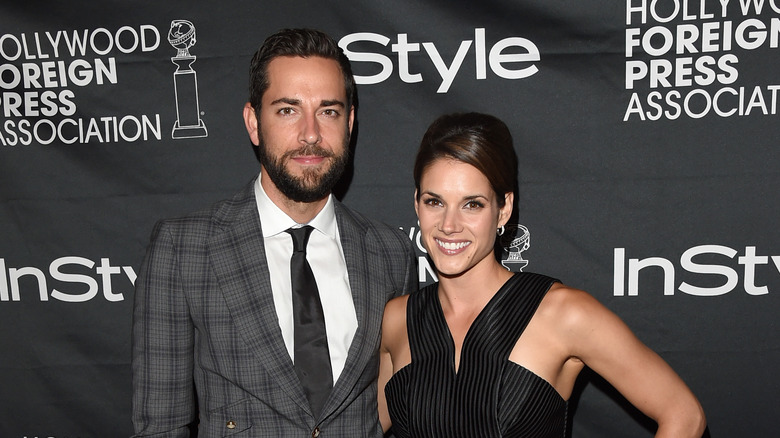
313	185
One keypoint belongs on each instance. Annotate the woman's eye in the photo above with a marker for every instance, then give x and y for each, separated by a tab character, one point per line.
432	202
473	205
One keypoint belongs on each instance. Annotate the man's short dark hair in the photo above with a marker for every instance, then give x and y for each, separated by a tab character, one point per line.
296	42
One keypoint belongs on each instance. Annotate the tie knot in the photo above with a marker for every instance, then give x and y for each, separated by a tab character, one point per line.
300	237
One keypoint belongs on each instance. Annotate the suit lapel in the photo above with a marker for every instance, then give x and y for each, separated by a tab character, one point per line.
368	303
237	254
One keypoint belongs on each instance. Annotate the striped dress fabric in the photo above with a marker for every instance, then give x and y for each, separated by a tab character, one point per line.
489	396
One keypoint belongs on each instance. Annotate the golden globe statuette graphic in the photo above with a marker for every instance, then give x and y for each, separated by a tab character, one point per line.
188	123
515	240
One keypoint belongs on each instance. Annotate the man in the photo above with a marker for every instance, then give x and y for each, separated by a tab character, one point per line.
214	332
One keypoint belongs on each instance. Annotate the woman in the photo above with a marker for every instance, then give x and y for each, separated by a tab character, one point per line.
490	353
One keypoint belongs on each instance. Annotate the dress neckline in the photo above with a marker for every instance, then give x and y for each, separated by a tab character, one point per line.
442	322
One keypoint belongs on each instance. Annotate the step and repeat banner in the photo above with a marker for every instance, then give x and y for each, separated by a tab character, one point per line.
647	131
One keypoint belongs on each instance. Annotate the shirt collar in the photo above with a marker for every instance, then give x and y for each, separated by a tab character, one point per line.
276	221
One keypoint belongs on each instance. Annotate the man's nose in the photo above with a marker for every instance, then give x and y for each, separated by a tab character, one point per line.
310	130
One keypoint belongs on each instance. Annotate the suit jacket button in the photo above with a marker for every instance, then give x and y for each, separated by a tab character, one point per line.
315	433
231	424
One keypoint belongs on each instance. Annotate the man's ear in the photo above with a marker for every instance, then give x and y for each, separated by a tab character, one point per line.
351	118
250	120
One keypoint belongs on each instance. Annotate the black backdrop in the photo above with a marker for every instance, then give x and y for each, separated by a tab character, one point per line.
647	133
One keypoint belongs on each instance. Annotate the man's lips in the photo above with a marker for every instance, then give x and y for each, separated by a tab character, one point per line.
309	159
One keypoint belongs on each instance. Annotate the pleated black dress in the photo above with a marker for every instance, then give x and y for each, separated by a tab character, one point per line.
489	396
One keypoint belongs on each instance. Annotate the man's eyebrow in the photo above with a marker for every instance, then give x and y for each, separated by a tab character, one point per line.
333	102
286	100
296	102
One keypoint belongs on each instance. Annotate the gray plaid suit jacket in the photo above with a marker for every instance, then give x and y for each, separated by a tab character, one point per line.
207	346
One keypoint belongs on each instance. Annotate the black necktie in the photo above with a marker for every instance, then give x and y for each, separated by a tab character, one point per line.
312	361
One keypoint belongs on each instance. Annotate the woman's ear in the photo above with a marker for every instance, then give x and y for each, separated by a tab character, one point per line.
506	210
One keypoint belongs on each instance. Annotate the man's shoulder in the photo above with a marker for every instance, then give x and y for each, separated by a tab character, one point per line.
376	237
368	224
216	215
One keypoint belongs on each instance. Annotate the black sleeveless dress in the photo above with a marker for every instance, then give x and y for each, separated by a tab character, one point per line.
489	396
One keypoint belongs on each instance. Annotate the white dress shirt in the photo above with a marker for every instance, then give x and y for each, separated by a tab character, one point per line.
326	258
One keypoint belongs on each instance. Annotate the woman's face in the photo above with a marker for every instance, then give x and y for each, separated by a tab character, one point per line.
459	214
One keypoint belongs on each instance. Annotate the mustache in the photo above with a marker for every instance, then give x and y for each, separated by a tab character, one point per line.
309	150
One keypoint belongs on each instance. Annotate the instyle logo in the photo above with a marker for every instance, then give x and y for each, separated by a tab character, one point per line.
717	276
509	58
70	279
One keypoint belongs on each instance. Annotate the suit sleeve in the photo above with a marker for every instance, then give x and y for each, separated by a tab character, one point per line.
404	269
411	280
162	345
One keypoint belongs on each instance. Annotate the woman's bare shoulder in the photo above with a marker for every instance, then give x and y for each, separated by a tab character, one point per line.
394	321
396	306
569	307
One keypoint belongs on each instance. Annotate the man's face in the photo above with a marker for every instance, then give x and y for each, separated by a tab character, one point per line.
304	128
